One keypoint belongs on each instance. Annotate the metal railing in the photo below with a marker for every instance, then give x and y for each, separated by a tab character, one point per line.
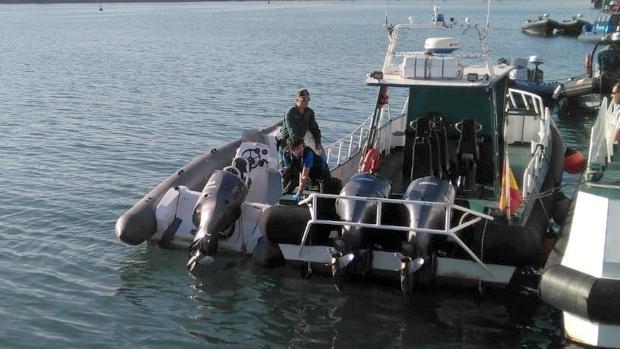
352	143
389	66
602	137
346	147
311	201
538	165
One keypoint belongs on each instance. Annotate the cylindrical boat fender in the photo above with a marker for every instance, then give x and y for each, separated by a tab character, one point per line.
580	87
286	225
596	299
574	161
267	254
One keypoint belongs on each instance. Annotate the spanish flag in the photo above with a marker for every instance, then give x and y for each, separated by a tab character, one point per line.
510	199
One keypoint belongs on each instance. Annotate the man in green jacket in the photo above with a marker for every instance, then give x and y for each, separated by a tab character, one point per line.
299	122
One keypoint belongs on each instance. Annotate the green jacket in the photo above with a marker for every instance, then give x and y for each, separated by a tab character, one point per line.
296	125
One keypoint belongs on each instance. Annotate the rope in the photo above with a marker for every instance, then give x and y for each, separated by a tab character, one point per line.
484	231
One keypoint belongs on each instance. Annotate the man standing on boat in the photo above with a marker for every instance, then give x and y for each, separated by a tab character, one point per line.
299	122
615	98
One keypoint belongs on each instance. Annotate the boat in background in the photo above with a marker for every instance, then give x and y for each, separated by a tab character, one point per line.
605	23
581	277
597	4
531	79
541	26
573	26
602	66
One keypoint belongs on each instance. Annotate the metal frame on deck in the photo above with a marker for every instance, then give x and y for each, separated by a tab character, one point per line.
311	201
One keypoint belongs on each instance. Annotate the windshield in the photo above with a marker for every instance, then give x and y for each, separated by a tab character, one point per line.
609	61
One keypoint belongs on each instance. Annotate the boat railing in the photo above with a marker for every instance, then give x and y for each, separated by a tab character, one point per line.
539	162
312	200
602	137
389	66
347	147
461	54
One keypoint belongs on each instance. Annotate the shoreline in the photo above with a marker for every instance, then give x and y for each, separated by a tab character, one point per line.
42	2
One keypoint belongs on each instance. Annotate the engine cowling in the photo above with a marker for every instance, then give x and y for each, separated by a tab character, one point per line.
429	189
217	210
358	211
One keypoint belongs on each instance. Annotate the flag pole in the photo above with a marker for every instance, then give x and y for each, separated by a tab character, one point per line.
507	186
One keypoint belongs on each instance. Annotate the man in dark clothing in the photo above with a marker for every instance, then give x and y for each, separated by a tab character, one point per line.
301	164
299	122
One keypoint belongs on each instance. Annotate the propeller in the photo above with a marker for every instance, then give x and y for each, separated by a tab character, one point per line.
408	267
203	253
193	261
339	262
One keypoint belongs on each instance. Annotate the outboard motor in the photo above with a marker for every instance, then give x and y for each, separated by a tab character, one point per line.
355	240
418	247
363	185
217	210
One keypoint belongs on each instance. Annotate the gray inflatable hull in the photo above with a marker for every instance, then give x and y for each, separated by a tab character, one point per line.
138	224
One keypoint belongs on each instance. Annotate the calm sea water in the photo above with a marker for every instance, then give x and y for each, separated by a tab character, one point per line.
96	108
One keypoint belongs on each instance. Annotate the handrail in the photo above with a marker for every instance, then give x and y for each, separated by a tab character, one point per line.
394	33
348	146
311	201
602	138
354	139
537	166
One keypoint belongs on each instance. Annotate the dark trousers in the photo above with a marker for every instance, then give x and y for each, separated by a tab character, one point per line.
292	171
290	178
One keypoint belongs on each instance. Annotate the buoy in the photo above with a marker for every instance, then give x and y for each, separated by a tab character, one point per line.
574	161
372	161
586	63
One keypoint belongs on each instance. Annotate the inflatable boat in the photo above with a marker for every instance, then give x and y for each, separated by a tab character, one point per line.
605	23
456	181
581	276
573	26
541	26
602	71
531	79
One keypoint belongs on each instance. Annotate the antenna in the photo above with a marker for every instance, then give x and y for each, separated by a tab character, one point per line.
386	13
488	14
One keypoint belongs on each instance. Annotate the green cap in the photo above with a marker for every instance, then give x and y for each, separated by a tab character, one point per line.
302	93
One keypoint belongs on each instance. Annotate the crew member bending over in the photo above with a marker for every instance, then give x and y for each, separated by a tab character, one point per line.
301	164
299	122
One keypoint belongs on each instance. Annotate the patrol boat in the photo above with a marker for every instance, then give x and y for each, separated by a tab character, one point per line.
581	276
460	184
416	195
